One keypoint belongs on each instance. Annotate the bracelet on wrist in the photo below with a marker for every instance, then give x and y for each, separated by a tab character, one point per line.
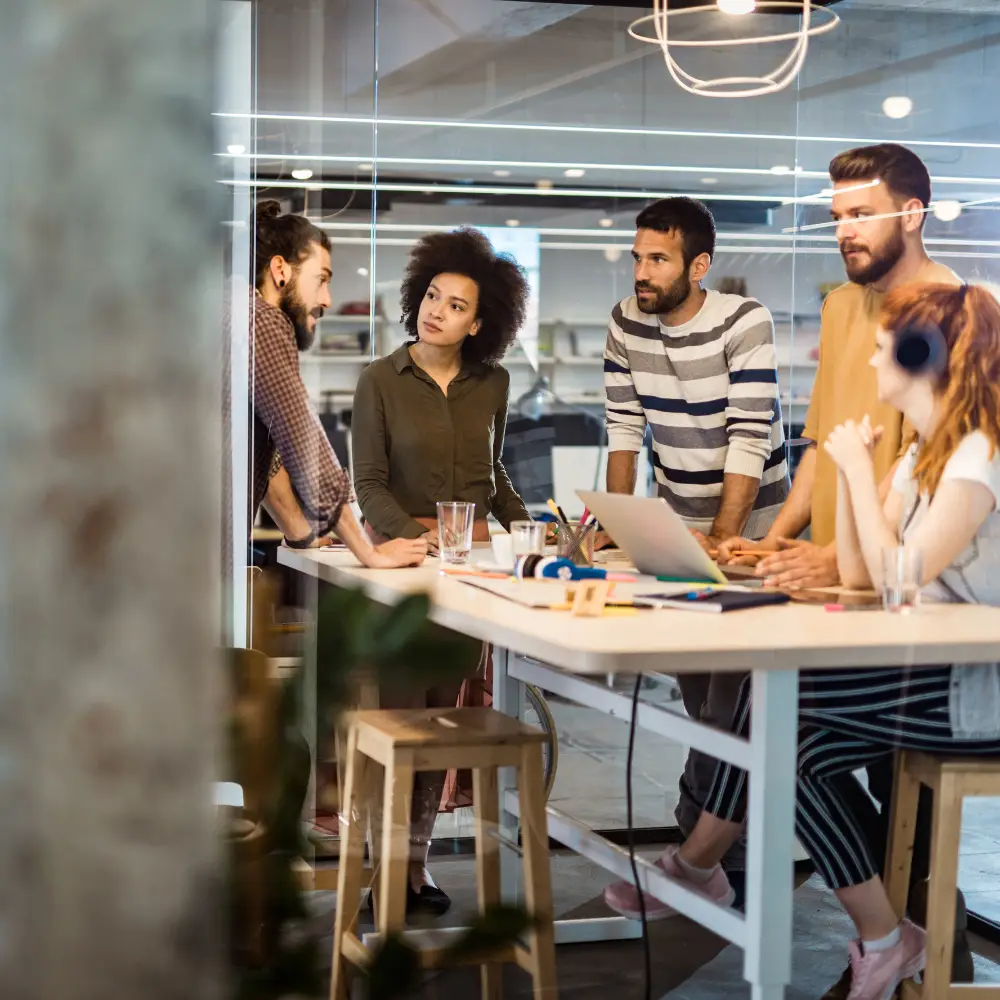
301	543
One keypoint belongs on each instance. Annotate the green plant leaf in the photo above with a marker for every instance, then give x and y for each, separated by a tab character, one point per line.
390	630
499	927
394	970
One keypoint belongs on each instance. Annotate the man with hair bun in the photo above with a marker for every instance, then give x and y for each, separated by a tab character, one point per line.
295	472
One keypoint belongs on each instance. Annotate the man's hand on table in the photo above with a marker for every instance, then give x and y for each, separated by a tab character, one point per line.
736	551
710	543
602	540
397	553
799	564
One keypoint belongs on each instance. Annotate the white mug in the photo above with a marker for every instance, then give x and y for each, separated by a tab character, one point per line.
503	549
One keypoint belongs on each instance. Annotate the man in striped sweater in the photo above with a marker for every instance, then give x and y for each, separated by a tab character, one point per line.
698	367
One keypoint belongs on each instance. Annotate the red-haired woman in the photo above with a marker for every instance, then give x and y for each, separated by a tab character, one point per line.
944	504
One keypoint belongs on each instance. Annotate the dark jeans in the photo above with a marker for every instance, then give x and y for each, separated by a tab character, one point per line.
880	781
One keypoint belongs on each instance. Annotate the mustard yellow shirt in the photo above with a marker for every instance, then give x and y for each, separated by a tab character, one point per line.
845	388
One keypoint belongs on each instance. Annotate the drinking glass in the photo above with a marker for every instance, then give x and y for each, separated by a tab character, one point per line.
902	575
455	522
575	542
528	538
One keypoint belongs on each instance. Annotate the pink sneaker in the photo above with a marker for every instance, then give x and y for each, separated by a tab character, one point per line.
876	975
623	897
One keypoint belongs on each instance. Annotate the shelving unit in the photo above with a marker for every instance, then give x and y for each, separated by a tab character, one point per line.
577	378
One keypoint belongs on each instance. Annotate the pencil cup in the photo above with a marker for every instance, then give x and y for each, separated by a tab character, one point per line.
575	542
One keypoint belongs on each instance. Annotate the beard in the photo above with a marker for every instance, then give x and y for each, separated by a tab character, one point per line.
880	261
667	299
295	309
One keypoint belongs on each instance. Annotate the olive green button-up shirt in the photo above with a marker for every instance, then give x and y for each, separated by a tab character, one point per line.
414	446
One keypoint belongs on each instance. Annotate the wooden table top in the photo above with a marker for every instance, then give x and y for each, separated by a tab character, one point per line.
670	641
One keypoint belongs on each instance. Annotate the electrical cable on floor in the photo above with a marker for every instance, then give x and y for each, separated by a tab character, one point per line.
648	989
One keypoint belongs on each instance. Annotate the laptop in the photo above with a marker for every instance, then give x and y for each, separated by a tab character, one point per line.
654	538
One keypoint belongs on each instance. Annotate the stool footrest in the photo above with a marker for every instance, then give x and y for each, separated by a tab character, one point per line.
432	947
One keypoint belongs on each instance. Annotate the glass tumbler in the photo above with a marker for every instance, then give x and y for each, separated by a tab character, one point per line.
527	538
902	575
455	522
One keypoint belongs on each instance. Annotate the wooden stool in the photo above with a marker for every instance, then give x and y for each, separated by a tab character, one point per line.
952	780
406	741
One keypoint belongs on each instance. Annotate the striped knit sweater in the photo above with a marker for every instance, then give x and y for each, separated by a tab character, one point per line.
709	392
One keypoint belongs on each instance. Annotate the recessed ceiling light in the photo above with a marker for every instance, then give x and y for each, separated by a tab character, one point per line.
605	223
314	187
897	107
513	223
948	210
574	172
781	168
544	184
736	6
363	271
236	149
302	174
501	173
710	180
365	168
612	254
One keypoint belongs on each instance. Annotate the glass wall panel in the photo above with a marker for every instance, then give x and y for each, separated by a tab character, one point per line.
548	127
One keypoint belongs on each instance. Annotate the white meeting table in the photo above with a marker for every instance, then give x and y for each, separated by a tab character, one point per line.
573	657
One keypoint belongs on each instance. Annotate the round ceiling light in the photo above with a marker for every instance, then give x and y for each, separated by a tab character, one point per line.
612	254
897	107
236	149
363	271
605	223
574	172
947	211
710	180
544	184
501	173
736	6
781	168
513	223
302	174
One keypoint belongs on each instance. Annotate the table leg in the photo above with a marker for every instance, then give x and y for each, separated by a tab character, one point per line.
508	697
767	962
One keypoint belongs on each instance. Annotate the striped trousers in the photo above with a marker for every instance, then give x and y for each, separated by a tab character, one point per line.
848	719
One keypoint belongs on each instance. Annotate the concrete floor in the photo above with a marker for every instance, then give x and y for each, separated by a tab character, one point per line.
689	963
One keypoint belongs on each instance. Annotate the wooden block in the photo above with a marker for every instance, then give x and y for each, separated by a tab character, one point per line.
591	596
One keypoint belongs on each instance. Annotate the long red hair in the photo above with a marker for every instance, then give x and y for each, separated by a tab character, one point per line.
968	317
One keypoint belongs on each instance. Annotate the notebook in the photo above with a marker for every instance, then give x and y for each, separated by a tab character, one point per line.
720	600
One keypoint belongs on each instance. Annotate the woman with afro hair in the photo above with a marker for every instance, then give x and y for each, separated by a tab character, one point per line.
428	426
429	419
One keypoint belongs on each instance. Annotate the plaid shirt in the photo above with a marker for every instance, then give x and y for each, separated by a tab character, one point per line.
286	430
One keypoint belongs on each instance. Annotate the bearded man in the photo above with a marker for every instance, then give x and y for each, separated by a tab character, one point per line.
698	368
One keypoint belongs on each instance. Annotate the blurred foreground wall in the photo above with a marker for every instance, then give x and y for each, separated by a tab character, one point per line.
109	515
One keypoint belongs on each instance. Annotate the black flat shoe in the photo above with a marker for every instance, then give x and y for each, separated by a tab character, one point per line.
430	900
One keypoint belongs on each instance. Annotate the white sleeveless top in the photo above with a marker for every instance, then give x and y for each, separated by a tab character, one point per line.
972	578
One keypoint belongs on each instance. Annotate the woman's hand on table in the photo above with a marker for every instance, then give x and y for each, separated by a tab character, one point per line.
799	564
397	553
433	543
